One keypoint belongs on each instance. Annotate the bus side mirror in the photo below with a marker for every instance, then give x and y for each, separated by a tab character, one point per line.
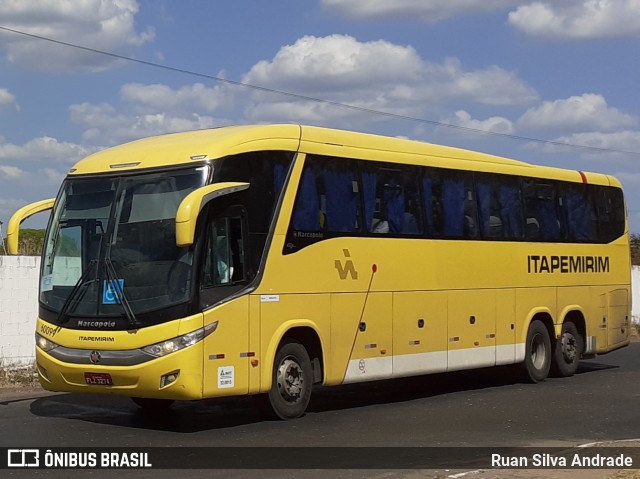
13	229
189	209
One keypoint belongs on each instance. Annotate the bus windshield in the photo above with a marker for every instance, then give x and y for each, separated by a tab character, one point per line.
111	248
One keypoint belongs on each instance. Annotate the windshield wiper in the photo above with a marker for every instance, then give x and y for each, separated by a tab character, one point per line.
118	289
82	282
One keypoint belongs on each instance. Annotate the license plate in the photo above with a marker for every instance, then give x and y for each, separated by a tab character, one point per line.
98	379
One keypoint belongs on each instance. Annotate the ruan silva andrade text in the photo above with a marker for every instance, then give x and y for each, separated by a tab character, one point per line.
549	460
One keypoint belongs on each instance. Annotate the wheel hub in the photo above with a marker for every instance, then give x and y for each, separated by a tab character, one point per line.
569	349
290	380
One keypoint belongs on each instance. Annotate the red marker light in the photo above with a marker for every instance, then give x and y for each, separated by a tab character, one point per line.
374	268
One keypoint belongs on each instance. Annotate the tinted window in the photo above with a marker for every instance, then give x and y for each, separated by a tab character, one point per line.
391	199
580	214
609	204
542	218
499	206
450	209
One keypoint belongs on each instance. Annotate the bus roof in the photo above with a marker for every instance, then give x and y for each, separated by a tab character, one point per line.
195	146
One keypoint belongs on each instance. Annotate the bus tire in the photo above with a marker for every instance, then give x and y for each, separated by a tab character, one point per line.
567	351
537	359
291	381
153	404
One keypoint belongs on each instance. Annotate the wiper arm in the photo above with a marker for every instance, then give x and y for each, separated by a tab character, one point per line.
63	315
112	280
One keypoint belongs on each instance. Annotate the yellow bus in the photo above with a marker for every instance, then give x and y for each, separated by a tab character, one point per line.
260	260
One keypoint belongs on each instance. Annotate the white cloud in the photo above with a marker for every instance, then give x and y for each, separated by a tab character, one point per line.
424	10
374	75
626	140
494	124
101	24
578	19
6	97
52	176
11	172
341	60
489	86
43	149
587	112
103	123
620	147
159	98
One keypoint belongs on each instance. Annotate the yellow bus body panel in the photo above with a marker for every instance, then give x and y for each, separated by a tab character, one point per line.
380	307
188	147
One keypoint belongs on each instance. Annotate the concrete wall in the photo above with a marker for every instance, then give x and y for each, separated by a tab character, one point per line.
635	294
19	307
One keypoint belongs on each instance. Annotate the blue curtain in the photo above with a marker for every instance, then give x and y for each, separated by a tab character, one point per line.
453	206
427	189
342	202
510	211
306	215
369	180
579	216
279	175
484	208
549	227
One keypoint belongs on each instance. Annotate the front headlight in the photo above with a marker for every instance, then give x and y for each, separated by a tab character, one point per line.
45	344
176	344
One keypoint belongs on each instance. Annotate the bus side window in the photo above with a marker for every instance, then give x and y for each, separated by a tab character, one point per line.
327	198
432	203
543	223
458	205
581	217
306	212
224	258
610	211
499	207
340	202
392	200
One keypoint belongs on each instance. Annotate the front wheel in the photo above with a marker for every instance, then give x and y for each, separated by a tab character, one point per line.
291	382
537	359
567	352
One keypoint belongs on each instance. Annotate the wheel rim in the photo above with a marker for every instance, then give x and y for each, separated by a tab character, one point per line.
538	352
569	347
290	380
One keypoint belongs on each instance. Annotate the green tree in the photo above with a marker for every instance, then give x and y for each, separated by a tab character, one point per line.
30	242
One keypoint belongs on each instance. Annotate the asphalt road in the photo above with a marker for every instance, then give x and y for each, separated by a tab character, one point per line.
485	408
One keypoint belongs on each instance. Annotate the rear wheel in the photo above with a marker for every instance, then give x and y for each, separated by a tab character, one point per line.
567	351
291	381
537	359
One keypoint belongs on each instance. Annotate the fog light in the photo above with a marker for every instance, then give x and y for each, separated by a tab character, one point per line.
169	378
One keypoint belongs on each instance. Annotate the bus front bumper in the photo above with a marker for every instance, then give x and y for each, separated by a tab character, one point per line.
175	376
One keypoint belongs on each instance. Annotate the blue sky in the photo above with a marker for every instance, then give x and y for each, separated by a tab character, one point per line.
566	72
